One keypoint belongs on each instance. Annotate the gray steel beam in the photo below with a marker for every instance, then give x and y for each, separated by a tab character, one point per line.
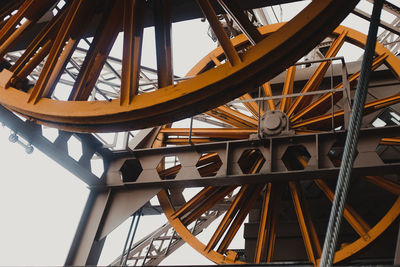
273	149
103	212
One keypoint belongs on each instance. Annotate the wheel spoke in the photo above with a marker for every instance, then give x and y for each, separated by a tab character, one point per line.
233	117
307	228
316	79
246	26
42	42
219	31
240	198
7	8
240	217
194	201
323	104
268	93
133	38
98	53
31	11
394	141
252	107
163	26
351	216
262	232
288	88
208	204
385	184
79	12
15	19
324	121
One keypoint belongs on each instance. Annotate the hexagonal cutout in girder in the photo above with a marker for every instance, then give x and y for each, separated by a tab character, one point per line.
389	150
130	170
209	164
251	161
296	157
97	165
169	167
336	152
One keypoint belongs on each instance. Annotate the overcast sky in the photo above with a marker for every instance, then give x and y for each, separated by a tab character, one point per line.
41	202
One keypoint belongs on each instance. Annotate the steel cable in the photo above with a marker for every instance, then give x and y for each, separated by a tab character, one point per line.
351	141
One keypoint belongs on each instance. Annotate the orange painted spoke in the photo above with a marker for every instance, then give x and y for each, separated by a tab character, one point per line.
287	88
246	26
384	183
324	103
133	31
219	32
240	198
240	217
209	169
237	116
195	201
78	12
208	204
163	42
316	79
351	216
307	228
232	117
381	103
263	230
395	141
98	53
251	106
27	68
44	38
221	117
268	93
229	133
324	121
31	11
7	8
14	20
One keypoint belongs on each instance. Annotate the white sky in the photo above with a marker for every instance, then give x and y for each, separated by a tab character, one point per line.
41	202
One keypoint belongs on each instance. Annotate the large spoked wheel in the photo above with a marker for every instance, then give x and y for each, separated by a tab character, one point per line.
132	108
307	202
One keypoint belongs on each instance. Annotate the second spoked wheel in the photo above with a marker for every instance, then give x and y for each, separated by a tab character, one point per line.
287	221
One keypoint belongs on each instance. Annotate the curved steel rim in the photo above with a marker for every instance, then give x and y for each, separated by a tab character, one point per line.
353	37
203	92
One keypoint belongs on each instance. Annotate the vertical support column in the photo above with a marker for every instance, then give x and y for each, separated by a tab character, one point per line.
397	252
85	249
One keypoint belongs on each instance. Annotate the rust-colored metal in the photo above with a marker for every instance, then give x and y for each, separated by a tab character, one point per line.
316	79
288	88
270	211
216	86
132	50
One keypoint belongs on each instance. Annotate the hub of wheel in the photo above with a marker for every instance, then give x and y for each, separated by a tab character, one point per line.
274	122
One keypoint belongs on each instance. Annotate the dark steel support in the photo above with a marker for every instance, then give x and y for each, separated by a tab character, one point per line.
127	239
136	215
396	261
103	212
85	250
351	141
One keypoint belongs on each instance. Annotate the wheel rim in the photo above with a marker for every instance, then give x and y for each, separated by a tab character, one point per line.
132	111
312	122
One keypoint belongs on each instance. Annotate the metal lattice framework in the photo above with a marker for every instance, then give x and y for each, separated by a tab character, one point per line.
239	146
